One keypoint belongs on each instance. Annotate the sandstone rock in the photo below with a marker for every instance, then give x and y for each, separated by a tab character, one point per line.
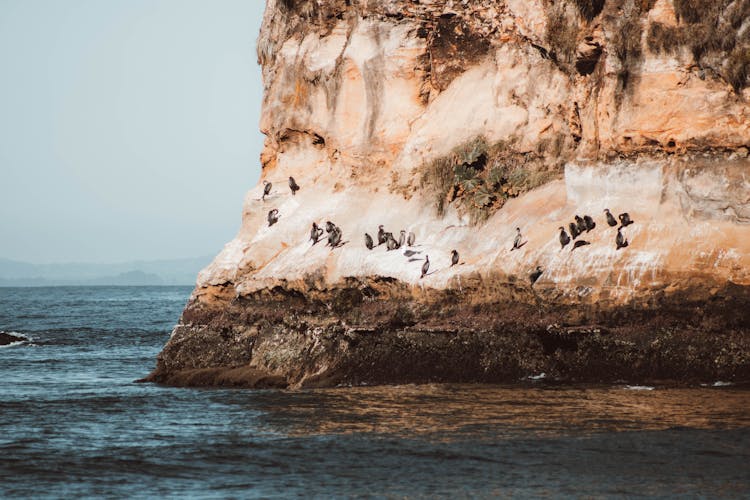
460	121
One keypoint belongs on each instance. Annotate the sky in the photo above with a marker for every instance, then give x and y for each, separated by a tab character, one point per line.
128	128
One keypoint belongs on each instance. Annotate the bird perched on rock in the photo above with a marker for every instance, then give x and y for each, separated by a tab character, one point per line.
573	230
625	219
266	190
580	224
454	258
411	239
517	242
368	241
579	243
535	274
425	266
564	238
620	240
315	233
381	235
293	185
332	230
273	217
402	238
334	238
610	218
589	222
390	242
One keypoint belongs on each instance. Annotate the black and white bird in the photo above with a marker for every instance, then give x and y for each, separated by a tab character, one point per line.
579	243
625	219
564	238
517	242
620	240
425	266
454	258
293	185
589	222
610	218
535	274
368	241
401	238
266	190
411	239
381	235
315	233
273	217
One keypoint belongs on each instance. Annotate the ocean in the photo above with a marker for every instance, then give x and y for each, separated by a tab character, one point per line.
74	424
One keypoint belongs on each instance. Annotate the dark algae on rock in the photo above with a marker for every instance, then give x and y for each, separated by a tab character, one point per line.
383	334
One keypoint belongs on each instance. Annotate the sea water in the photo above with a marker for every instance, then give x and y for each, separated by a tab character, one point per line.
74	424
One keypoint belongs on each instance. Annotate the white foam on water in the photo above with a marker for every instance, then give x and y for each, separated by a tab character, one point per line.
719	383
541	376
639	388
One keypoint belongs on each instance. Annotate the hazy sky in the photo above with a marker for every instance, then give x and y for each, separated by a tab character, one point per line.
128	128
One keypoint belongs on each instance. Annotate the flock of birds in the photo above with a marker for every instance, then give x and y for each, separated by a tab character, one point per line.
577	228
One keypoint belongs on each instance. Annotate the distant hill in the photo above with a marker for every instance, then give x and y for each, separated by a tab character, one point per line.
135	273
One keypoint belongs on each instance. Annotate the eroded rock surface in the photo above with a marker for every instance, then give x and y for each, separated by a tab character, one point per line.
460	121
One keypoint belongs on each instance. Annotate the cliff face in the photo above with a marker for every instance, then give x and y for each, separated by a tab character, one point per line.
460	121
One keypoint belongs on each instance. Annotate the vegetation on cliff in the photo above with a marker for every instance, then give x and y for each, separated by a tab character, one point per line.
478	177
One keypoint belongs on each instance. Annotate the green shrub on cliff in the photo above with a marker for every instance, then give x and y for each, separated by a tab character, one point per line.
478	177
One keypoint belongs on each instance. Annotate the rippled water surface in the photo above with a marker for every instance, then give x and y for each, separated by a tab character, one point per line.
73	423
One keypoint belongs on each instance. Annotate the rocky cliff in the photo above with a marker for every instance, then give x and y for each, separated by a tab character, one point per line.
460	121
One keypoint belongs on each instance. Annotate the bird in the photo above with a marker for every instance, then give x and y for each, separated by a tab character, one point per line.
564	238
266	190
535	274
381	235
368	241
390	243
273	217
454	258
293	185
610	218
425	266
573	230
315	233
411	239
579	243
580	224
335	237
590	224
517	242
332	230
620	240
625	219
402	238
